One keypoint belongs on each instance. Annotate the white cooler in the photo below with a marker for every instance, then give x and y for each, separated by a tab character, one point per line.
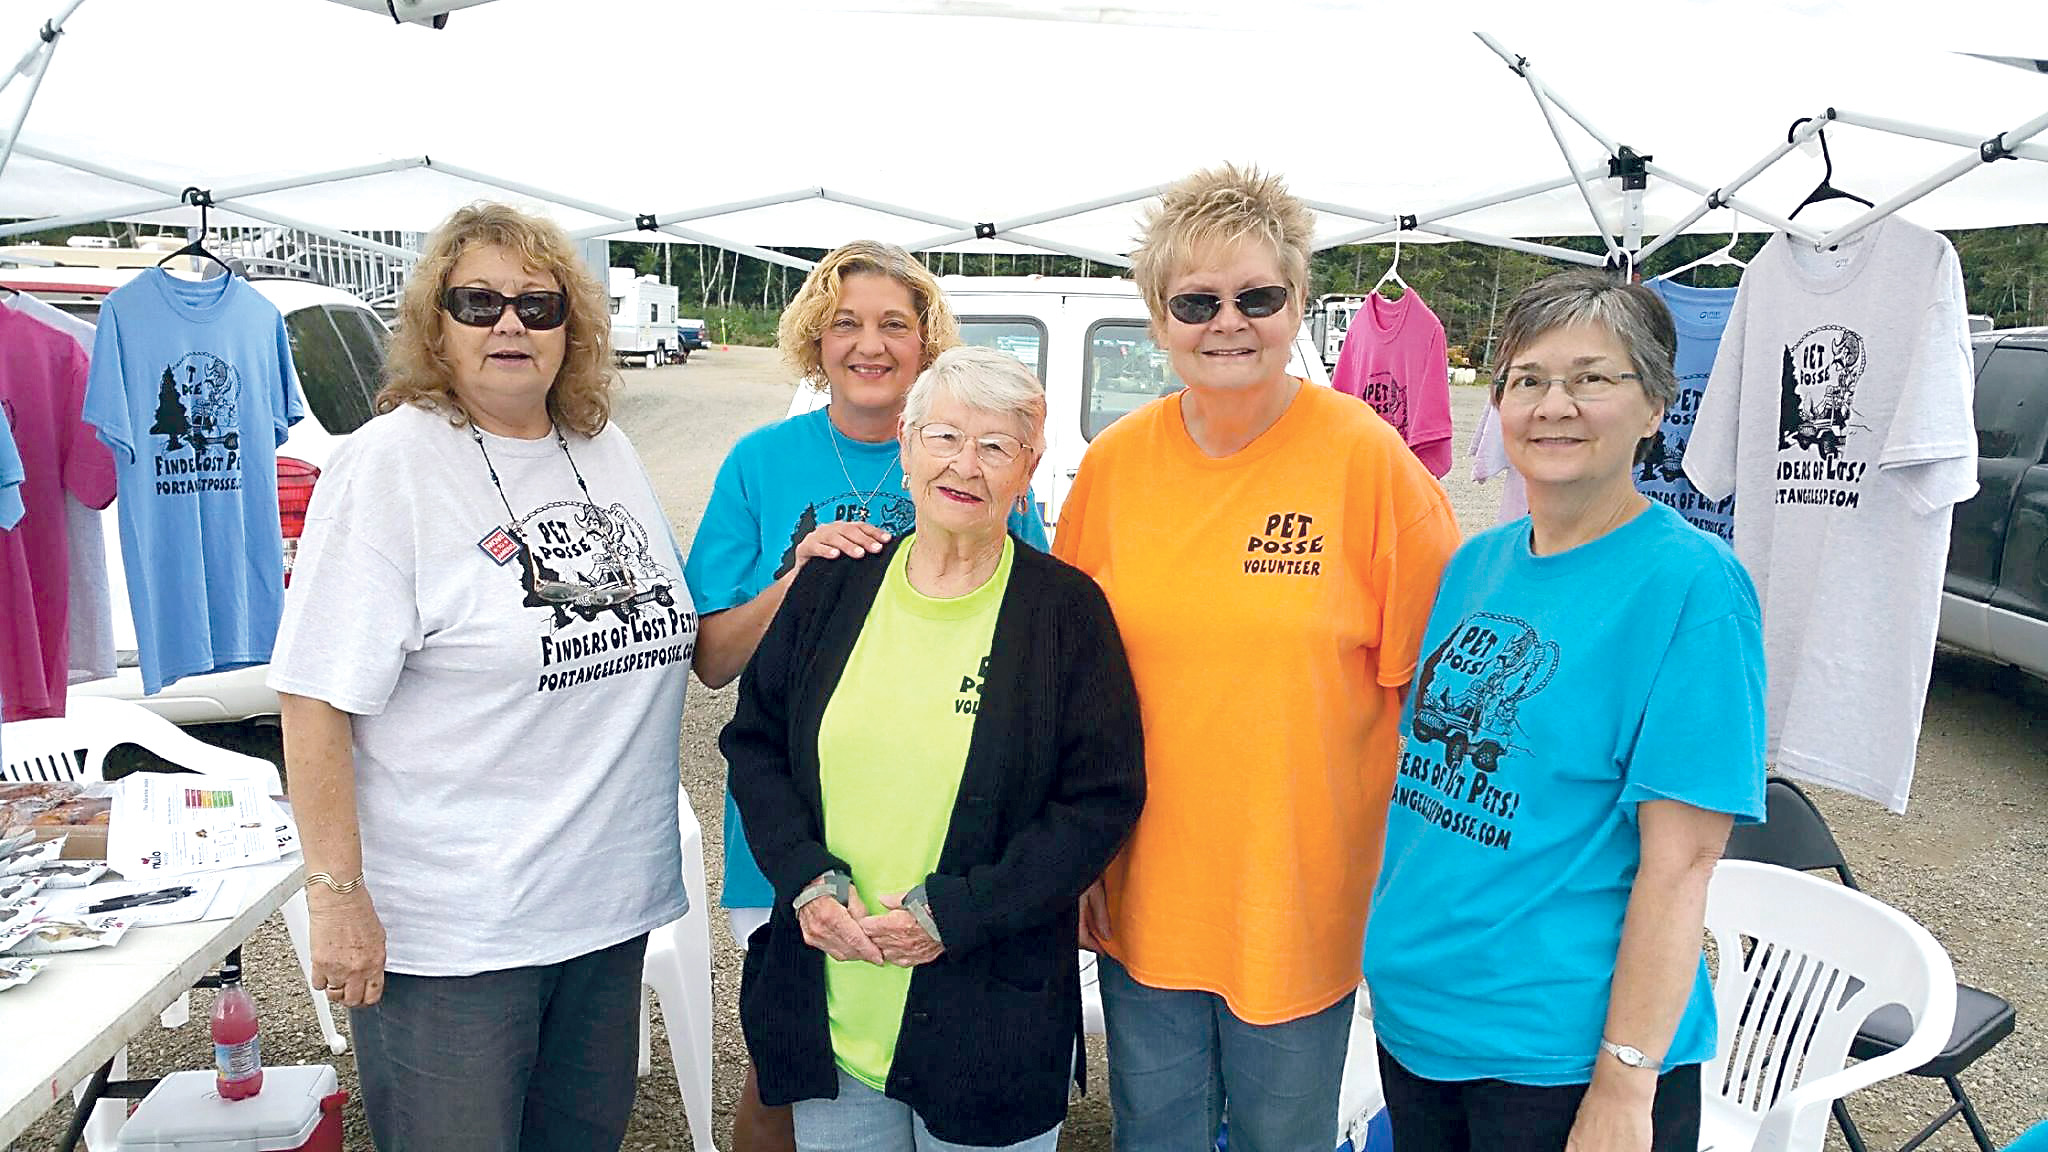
299	1110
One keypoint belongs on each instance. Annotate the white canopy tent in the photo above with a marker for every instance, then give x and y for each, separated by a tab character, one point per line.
813	121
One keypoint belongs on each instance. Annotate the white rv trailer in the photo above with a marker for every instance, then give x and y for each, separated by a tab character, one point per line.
643	318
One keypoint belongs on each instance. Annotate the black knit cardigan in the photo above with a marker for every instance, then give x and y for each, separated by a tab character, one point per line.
1053	781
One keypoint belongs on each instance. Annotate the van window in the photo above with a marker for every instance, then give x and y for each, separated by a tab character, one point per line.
327	376
2011	379
1020	336
364	336
1124	370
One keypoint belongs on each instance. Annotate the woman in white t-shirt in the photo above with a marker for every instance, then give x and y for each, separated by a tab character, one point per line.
481	671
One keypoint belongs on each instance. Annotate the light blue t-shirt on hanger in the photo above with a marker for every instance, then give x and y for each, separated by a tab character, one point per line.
193	388
1700	315
10	476
778	484
1555	694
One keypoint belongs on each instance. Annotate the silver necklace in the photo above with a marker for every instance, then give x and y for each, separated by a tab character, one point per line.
833	432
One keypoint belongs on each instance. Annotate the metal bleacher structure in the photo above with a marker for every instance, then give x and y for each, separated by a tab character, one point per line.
372	275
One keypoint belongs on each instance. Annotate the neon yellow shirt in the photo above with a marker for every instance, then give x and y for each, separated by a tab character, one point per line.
891	748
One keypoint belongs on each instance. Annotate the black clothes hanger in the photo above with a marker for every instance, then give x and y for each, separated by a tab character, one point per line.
202	199
1826	189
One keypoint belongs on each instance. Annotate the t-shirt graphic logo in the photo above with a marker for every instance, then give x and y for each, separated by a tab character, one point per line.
1287	544
1388	398
583	561
198	407
1469	691
1817	391
197	403
969	702
890	511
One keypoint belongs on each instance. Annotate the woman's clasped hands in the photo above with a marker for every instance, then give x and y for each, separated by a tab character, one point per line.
847	931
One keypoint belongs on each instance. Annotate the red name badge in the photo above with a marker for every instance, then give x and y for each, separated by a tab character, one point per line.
499	546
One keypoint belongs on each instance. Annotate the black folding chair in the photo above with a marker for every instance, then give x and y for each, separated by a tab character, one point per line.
1794	835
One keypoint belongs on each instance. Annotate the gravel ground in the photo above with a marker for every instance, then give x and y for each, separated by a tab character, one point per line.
1969	860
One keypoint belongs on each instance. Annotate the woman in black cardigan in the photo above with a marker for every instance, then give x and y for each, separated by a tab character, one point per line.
936	749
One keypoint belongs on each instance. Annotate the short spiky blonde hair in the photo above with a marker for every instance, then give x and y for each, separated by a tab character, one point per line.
1212	211
416	372
803	322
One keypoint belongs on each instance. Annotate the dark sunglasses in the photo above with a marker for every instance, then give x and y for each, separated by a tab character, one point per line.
1201	307
481	307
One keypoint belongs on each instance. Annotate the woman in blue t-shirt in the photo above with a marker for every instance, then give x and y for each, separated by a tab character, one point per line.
1586	723
868	319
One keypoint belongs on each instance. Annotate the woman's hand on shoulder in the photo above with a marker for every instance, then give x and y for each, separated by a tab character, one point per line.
902	940
839	538
834	928
347	946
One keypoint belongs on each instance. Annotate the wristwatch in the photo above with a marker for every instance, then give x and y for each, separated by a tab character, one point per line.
1631	1056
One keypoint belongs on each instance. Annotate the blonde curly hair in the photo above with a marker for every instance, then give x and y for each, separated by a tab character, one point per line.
417	373
803	322
1217	209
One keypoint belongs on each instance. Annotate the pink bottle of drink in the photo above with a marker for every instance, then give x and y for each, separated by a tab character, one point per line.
237	1043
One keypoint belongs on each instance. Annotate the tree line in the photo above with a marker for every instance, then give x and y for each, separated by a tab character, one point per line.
1468	286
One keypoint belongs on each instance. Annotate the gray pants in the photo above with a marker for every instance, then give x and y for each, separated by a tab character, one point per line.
523	1060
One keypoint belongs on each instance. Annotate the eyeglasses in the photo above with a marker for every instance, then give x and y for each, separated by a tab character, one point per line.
480	307
994	449
1201	307
1530	389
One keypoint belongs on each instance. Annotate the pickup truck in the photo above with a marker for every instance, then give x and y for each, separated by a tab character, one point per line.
1995	597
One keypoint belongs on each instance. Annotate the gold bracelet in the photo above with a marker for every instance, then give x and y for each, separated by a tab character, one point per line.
324	879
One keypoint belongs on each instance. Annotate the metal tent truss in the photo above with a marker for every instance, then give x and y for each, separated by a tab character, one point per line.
1625	250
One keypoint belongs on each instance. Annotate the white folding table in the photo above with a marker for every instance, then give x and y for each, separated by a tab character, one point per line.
85	1006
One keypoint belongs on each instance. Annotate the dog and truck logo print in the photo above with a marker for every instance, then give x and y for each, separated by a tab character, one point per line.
1469	694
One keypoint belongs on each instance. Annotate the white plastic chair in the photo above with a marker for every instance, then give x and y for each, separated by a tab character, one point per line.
1802	964
678	973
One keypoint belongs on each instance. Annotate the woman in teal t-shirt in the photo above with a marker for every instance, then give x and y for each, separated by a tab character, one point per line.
1587	721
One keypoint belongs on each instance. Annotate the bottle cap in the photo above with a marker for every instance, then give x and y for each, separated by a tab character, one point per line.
230	972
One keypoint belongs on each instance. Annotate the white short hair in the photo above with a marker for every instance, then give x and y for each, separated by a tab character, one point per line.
985	380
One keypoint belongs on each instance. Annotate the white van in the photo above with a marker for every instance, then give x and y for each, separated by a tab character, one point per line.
1089	339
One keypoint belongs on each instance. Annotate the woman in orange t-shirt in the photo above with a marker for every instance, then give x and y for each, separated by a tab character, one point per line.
1270	550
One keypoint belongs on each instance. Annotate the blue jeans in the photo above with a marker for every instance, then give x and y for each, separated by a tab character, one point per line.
1179	1059
864	1120
521	1060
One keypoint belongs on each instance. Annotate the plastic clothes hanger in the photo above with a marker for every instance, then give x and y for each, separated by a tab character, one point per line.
1725	254
198	246
1826	189
1393	271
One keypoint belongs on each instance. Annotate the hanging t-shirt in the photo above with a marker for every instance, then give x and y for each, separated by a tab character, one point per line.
1271	603
1558	694
1700	315
42	390
1839	414
1393	359
1490	459
193	387
515	754
888	788
92	602
778	484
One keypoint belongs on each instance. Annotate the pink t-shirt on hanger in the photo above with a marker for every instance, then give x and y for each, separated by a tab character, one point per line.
42	383
1394	360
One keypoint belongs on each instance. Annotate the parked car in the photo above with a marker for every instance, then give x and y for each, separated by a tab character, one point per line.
1995	597
1089	340
337	345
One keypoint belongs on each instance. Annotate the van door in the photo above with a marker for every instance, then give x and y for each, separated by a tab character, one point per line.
2023	567
2012	419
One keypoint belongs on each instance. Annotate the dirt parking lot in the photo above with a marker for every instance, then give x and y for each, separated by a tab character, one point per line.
1969	860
